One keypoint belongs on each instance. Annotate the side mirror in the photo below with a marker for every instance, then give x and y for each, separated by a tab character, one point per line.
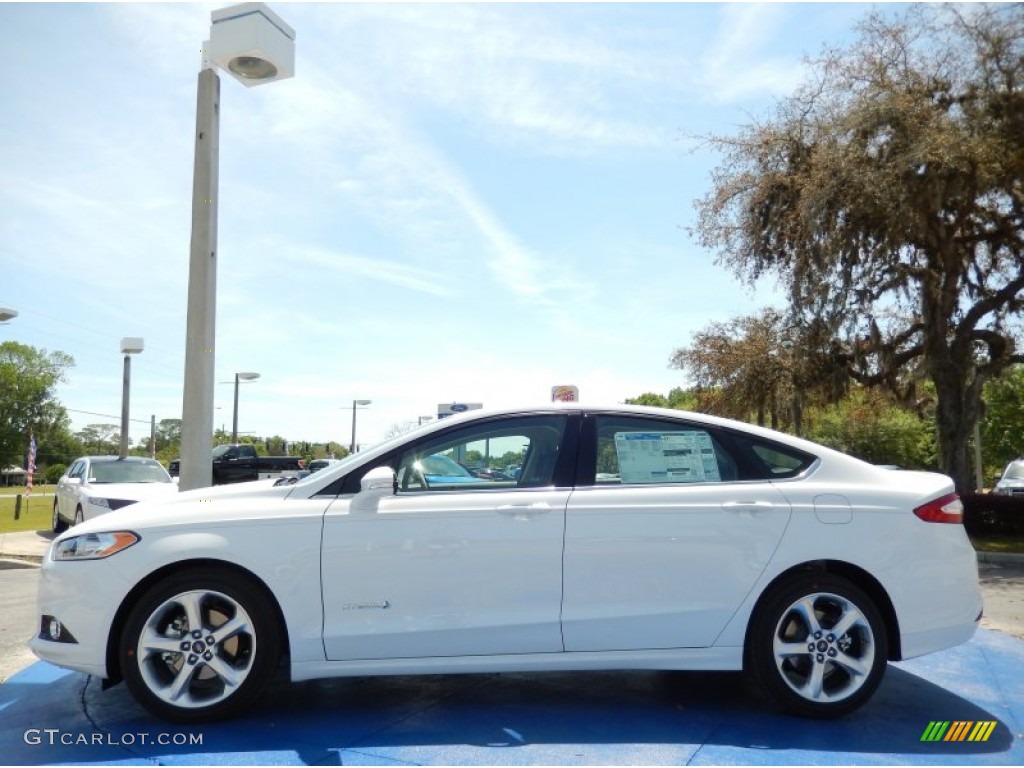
379	480
375	485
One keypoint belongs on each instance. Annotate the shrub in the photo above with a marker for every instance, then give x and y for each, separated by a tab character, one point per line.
988	514
54	472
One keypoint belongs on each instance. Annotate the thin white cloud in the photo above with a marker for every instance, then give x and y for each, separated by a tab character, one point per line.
526	75
379	270
734	67
381	163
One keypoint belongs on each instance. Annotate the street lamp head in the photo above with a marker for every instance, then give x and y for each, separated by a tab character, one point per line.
247	376
361	402
131	345
7	314
252	43
252	68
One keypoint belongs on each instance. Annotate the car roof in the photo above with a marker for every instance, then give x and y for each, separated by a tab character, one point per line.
617	408
131	459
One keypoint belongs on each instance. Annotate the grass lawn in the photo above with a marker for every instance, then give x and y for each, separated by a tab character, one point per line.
998	543
36	511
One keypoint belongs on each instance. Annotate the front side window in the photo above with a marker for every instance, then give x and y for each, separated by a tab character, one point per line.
520	452
636	451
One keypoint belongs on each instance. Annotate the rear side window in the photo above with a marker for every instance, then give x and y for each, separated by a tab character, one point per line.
636	451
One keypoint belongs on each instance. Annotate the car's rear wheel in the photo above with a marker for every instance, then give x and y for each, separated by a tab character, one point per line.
199	646
818	645
58	525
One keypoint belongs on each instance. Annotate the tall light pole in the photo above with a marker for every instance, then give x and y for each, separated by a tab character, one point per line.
255	46
130	345
355	403
243	376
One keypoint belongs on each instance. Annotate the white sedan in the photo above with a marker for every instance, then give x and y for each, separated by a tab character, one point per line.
95	485
632	538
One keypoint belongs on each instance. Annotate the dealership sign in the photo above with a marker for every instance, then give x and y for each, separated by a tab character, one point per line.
450	409
565	394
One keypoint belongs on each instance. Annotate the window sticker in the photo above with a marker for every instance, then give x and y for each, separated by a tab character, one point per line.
666	457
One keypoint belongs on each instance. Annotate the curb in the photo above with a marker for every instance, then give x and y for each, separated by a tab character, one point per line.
27	561
1003	558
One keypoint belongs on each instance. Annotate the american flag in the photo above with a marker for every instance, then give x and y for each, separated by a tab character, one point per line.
31	465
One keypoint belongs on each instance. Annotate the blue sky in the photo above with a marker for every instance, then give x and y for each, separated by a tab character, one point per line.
446	203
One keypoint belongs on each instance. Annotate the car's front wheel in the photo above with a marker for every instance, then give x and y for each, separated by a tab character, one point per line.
818	645
199	646
58	524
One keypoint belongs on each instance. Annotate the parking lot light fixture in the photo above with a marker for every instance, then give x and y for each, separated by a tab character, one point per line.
130	345
355	404
7	314
239	377
252	44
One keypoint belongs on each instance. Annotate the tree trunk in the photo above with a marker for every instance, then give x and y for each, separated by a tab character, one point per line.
956	413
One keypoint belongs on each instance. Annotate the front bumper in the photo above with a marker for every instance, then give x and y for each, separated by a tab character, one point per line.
84	597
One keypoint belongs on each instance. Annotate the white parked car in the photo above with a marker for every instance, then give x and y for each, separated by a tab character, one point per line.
1012	481
633	538
95	485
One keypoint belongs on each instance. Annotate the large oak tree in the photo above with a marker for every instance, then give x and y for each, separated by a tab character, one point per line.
887	196
761	365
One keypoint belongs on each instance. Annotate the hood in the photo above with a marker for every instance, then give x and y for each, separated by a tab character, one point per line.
131	491
199	507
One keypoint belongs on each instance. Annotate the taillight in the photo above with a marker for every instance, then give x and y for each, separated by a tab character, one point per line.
946	509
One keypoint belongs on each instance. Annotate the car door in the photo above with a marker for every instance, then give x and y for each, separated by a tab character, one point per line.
67	487
451	564
665	536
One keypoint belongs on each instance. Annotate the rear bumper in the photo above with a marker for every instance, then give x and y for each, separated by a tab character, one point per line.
931	640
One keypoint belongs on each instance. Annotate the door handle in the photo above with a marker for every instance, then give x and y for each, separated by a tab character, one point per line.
747	506
537	508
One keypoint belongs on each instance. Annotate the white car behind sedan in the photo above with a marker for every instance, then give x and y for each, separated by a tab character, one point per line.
95	485
631	538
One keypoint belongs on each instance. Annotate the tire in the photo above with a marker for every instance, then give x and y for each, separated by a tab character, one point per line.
58	524
187	675
818	645
79	517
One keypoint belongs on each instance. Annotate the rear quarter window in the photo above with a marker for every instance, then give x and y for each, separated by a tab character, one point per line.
774	460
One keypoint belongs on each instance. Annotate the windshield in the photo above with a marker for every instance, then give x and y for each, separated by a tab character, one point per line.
127	472
220	450
1015	471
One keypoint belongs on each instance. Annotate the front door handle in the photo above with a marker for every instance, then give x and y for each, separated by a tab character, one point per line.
747	506
537	508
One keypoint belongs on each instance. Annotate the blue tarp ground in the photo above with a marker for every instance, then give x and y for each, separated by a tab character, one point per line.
50	716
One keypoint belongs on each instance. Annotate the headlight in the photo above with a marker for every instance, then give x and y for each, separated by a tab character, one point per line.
94	546
96	502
